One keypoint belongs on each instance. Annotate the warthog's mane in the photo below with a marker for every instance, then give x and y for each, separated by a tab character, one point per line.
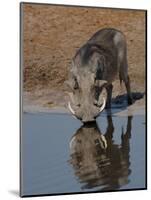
87	51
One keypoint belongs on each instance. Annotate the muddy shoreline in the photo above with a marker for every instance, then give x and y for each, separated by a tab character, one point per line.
56	102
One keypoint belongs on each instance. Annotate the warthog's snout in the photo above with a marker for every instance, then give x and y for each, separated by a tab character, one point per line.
87	114
87	120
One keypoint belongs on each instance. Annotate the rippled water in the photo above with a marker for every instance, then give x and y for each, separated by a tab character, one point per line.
59	155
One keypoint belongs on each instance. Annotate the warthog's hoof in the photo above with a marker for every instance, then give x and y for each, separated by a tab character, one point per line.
130	100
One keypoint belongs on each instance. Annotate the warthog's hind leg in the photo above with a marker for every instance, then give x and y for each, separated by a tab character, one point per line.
128	88
123	75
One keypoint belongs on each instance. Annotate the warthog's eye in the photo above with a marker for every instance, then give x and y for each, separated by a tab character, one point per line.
76	85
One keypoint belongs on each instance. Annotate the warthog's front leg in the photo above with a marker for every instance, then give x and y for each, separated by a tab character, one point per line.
109	89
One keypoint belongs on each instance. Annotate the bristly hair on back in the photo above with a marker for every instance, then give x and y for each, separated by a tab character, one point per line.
88	50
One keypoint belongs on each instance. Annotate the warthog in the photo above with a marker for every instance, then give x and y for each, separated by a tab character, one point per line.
94	67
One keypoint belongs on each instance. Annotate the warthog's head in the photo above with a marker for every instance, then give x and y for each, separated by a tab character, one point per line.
86	93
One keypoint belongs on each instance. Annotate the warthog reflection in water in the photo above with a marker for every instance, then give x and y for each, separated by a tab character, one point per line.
96	160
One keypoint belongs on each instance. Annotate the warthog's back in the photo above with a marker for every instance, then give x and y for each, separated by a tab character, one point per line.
108	37
108	44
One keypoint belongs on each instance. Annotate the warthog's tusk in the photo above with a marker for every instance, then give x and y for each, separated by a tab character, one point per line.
103	105
104	140
70	108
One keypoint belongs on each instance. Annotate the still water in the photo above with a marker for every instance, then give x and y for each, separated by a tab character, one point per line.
60	155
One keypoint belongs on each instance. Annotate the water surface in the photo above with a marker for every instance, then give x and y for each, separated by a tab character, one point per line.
60	155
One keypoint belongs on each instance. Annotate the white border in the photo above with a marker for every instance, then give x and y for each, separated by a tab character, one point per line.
9	87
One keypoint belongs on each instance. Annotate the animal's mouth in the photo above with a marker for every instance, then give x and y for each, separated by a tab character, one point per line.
90	122
87	119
